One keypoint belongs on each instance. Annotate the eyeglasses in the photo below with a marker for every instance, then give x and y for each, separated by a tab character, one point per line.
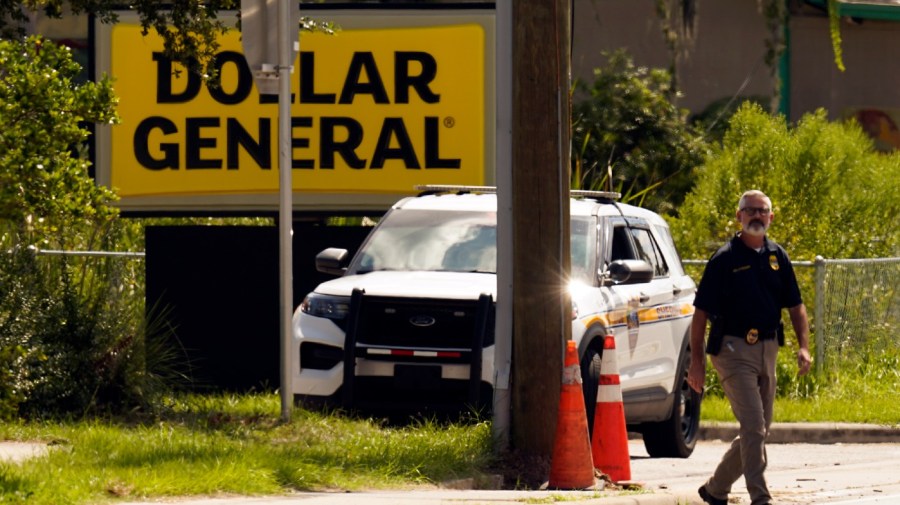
753	211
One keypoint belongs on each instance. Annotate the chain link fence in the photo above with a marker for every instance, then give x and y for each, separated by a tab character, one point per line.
854	306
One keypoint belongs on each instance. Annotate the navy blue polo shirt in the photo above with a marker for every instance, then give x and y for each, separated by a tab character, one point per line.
747	288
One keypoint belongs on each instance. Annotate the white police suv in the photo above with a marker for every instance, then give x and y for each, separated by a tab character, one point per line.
409	323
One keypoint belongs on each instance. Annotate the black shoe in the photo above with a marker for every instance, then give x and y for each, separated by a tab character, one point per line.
708	498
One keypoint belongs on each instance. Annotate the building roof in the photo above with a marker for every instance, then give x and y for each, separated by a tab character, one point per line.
888	10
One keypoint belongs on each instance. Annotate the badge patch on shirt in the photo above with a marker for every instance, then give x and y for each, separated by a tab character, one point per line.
773	262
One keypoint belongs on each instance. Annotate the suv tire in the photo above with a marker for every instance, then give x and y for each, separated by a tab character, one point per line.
676	436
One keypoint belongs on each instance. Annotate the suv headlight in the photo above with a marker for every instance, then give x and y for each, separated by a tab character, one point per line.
332	307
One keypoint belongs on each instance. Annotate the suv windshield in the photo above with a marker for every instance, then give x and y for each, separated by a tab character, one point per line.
455	241
432	240
583	249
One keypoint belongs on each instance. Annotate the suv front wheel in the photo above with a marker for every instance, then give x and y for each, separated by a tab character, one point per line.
676	436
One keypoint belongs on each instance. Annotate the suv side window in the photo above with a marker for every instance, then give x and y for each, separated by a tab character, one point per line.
649	251
621	244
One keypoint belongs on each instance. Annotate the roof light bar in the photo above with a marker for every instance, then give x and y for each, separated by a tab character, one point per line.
577	193
445	188
608	195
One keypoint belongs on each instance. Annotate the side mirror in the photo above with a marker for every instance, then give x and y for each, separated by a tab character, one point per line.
332	261
630	271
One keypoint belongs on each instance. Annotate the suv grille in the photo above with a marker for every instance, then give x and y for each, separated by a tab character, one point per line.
415	329
424	324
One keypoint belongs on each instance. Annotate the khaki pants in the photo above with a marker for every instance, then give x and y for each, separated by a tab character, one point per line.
747	374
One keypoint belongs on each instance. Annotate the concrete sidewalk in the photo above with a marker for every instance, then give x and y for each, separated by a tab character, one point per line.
443	497
19	451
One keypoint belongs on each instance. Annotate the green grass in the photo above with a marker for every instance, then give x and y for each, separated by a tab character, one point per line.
853	391
832	410
235	445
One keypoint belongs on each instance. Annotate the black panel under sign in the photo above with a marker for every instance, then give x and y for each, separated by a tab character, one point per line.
220	287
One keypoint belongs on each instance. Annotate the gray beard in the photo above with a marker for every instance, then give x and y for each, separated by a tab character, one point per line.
755	229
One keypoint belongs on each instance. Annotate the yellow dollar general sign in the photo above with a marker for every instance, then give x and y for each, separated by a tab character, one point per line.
375	110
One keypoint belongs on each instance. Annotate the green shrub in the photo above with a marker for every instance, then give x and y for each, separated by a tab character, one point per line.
627	120
72	329
832	193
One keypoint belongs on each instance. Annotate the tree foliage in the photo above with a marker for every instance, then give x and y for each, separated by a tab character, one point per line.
832	193
189	30
713	120
628	124
69	329
43	125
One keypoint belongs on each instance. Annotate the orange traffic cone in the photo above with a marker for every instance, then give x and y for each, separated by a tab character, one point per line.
571	466
609	446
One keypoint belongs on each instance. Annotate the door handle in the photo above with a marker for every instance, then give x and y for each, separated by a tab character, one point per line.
644	297
676	290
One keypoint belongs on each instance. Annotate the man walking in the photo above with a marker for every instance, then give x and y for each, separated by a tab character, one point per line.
744	288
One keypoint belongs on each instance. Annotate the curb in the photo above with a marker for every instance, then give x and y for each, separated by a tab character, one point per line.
810	433
643	499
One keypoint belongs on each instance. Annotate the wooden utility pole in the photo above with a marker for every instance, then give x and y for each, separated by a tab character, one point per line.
540	185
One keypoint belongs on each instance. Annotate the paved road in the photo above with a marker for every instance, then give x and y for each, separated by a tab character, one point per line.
797	473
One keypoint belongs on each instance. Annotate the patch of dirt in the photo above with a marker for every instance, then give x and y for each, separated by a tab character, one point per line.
521	470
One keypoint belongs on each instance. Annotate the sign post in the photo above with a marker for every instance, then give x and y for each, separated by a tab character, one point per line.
260	52
285	201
